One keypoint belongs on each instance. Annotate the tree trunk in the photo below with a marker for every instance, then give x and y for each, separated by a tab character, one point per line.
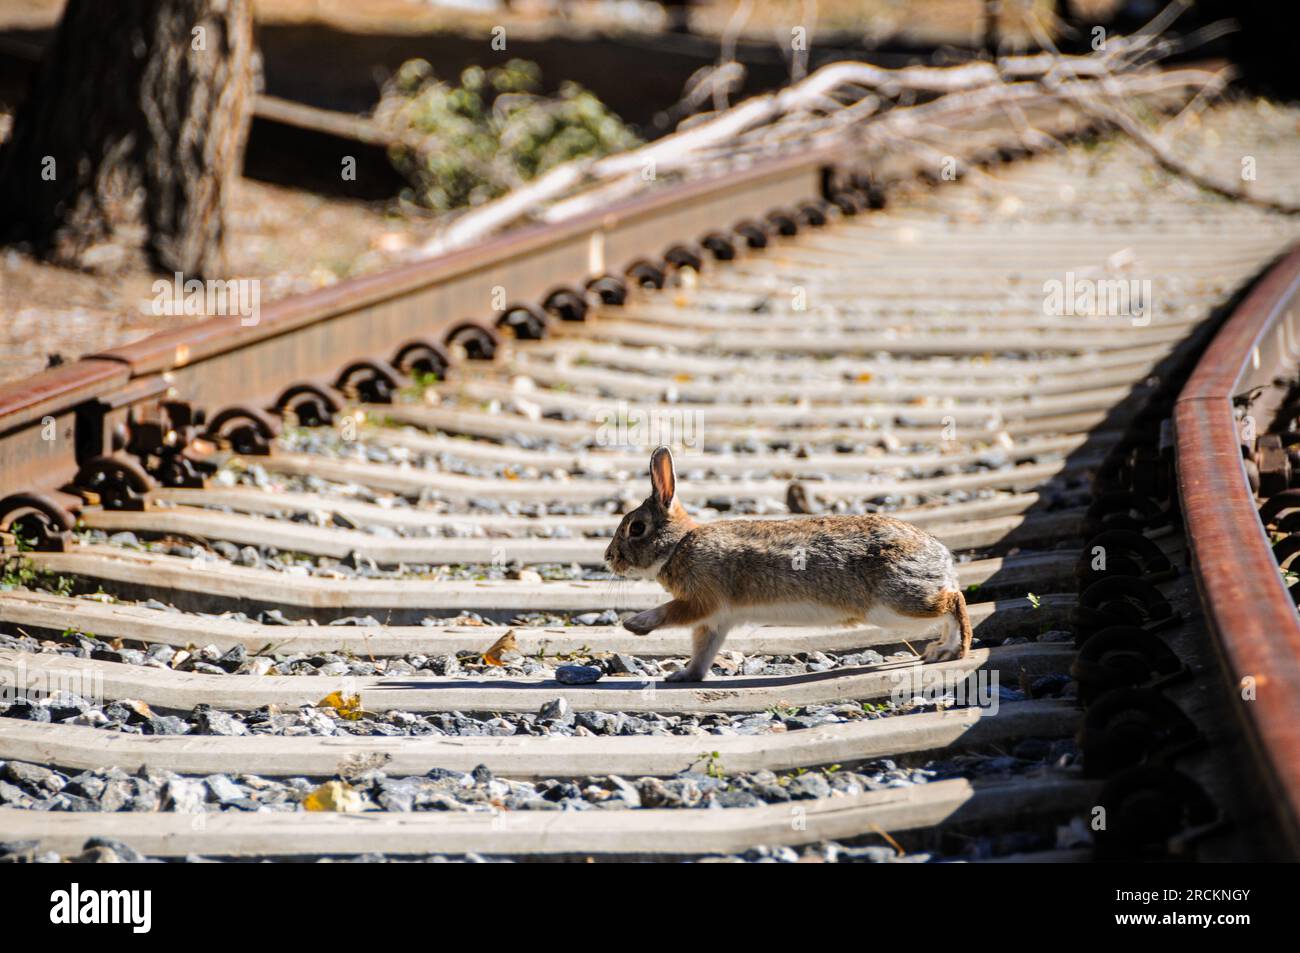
131	135
992	32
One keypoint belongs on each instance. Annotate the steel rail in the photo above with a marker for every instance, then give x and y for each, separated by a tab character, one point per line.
1251	614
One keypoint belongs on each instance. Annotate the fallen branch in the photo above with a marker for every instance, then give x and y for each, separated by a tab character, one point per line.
1159	150
1089	101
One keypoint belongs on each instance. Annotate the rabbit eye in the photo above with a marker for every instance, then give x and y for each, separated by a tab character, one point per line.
636	528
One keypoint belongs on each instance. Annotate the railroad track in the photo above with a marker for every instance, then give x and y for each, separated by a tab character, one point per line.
297	611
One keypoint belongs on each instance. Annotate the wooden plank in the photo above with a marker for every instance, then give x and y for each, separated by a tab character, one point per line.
241	585
250	499
919	343
650	832
333	123
885	385
701	310
974	271
293	537
268	500
39	612
76	748
419	482
289	536
504	426
843	271
971	369
180	691
922	408
966	451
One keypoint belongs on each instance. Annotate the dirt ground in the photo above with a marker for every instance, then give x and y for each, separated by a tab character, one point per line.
293	241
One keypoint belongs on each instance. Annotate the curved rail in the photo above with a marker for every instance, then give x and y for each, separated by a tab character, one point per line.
1249	610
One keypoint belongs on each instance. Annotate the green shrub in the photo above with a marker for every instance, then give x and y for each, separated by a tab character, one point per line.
492	132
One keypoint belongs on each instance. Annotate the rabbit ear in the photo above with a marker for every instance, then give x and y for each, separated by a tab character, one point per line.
663	477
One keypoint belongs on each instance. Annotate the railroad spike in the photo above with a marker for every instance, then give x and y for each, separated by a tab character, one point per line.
244	429
118	481
570	305
1122	656
371	380
422	356
1145	809
526	321
37	521
610	289
479	342
1130	725
310	403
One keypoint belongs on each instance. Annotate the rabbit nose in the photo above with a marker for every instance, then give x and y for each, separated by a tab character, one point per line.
609	553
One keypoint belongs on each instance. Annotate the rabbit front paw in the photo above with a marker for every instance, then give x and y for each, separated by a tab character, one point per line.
685	675
643	623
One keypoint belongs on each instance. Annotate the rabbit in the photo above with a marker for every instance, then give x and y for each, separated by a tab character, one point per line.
812	570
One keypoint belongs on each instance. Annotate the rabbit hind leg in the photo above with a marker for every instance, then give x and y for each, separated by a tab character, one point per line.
945	610
957	633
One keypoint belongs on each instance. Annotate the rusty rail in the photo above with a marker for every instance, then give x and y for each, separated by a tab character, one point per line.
1249	609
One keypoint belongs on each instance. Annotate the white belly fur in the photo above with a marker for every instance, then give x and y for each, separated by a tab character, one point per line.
887	618
814	614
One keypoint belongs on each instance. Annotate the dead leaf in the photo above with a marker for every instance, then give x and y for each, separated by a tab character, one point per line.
334	796
500	647
347	706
